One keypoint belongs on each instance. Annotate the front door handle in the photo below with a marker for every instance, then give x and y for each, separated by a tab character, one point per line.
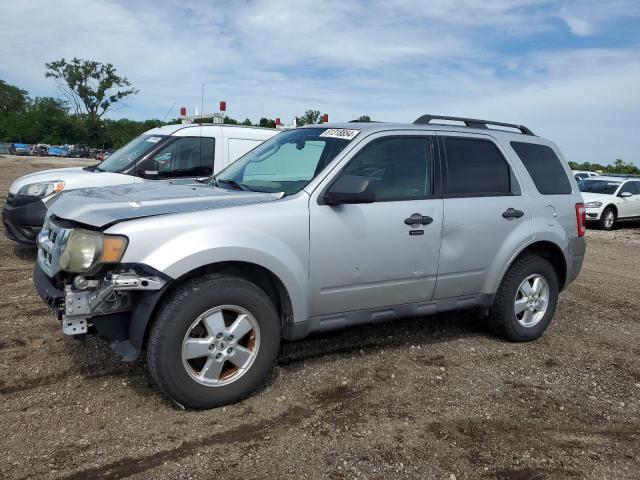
512	213
418	219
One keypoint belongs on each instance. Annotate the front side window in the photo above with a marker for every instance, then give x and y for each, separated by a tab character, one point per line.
475	168
183	157
132	151
285	163
632	187
399	167
598	186
545	168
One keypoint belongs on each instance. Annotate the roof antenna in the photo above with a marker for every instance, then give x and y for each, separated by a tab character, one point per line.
202	104
201	121
168	112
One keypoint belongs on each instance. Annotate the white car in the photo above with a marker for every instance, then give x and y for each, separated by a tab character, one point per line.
609	198
180	153
580	175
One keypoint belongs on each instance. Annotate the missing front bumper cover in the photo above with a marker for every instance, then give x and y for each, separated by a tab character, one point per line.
111	296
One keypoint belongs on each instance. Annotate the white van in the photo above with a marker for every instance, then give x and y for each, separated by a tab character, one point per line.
181	153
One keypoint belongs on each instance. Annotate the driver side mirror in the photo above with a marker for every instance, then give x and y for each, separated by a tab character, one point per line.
626	195
350	189
149	174
149	169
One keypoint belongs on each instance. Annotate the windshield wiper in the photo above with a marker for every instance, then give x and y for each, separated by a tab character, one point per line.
233	183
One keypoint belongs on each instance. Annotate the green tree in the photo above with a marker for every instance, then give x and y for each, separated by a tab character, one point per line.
12	99
267	123
363	118
309	117
90	87
247	122
618	166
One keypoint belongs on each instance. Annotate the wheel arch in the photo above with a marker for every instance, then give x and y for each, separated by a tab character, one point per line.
259	275
548	250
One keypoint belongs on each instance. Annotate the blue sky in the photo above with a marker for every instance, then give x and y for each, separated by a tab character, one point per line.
570	70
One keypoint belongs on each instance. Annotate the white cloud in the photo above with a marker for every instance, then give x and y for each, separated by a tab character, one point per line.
391	59
579	26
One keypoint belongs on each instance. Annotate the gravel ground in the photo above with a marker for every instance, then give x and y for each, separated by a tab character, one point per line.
428	398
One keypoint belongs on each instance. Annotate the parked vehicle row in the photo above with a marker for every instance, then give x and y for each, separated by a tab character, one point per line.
317	228
44	150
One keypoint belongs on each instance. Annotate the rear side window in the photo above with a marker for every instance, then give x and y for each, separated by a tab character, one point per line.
475	168
544	166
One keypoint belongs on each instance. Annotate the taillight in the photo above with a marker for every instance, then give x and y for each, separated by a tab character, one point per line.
581	218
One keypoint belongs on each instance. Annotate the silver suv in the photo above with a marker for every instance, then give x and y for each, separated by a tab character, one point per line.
319	228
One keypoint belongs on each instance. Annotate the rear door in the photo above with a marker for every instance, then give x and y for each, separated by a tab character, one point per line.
364	256
483	206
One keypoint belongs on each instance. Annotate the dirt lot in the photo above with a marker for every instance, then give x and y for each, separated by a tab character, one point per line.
430	398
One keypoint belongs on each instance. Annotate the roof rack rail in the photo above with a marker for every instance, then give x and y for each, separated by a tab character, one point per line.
472	123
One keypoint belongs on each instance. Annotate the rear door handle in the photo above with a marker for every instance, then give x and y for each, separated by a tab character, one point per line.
418	219
512	213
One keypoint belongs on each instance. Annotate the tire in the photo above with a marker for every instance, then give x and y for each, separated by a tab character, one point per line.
608	219
514	326
180	324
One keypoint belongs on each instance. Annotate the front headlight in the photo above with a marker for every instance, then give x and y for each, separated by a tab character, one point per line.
86	249
593	204
42	189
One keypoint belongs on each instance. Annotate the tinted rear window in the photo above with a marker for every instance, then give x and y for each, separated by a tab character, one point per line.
544	166
475	168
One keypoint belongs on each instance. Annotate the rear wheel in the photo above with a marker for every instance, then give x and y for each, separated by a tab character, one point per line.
526	300
608	219
214	342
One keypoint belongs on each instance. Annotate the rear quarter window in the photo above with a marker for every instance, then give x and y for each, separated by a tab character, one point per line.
545	168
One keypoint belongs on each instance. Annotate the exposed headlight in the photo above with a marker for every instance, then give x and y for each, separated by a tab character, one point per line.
42	189
86	249
593	204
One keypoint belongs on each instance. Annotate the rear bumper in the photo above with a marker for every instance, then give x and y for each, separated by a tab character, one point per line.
575	258
22	218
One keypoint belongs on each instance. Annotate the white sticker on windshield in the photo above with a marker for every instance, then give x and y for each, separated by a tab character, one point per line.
154	139
346	133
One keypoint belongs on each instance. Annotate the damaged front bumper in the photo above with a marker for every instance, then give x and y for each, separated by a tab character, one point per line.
117	305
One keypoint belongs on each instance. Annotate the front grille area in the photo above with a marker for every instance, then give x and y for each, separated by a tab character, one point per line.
51	243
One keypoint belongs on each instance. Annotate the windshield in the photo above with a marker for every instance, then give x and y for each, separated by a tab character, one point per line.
598	186
287	162
136	148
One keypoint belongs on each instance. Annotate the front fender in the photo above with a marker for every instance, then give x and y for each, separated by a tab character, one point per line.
272	238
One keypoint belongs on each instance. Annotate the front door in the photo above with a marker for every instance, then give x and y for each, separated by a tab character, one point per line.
383	253
181	160
629	206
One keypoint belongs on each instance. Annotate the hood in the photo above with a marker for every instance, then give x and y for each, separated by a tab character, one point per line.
100	207
73	177
595	197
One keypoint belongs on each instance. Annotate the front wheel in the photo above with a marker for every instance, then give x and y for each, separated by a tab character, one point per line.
607	219
215	341
526	300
